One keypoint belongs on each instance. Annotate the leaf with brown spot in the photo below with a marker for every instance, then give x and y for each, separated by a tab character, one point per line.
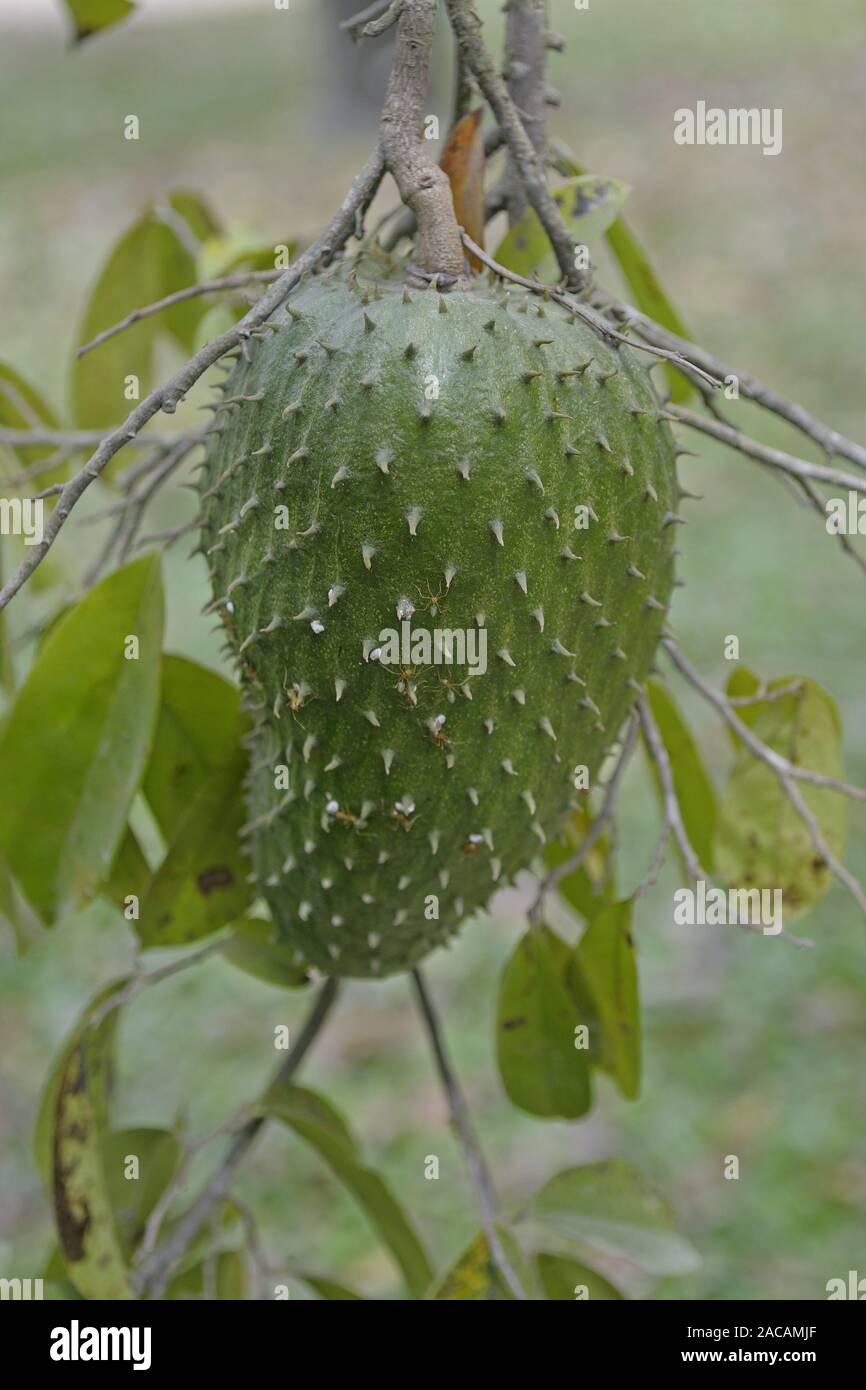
201	883
588	204
69	1147
463	162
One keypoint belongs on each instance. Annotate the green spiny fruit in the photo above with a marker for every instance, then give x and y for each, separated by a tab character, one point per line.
387	461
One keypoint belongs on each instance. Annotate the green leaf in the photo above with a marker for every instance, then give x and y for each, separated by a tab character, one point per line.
316	1121
201	883
198	728
16	914
645	286
649	296
239	249
222	1276
565	1280
605	958
7	661
328	1288
474	1277
542	1070
22	408
255	948
149	262
196	211
589	888
609	1207
742	684
69	1144
130	873
74	746
695	792
91	16
761	841
588	205
133	1198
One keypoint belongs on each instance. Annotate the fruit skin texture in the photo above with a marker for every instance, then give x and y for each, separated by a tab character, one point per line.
384	453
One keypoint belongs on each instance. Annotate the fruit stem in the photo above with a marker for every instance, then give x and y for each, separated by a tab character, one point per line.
424	187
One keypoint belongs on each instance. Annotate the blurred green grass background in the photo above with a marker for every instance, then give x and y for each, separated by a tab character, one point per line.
753	1047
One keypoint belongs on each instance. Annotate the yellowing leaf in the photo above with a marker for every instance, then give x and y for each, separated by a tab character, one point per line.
588	205
761	841
474	1277
91	16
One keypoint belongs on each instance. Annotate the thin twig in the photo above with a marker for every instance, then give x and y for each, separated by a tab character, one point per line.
478	1171
589	316
774	458
154	1272
593	835
386	20
672	813
167	396
76	439
361	25
467	29
763	695
225	282
780	765
142	981
789	774
830	440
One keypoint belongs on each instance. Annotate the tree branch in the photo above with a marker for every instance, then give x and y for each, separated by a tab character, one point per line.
774	458
374	20
155	1270
478	1171
424	187
595	320
225	282
596	830
749	386
167	396
673	818
467	28
526	76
